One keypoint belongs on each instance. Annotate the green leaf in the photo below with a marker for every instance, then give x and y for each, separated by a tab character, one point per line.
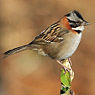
65	79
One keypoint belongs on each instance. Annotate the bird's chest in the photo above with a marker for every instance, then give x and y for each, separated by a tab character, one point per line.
69	45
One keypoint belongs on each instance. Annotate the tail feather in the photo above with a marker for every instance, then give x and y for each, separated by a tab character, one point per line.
15	50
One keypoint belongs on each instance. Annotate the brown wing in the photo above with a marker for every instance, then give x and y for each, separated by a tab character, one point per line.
54	33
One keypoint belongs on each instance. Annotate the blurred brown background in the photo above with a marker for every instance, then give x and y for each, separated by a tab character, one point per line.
28	73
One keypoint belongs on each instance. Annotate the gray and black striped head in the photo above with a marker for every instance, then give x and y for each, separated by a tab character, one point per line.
76	21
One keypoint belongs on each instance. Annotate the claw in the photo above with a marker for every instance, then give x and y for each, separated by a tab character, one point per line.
66	69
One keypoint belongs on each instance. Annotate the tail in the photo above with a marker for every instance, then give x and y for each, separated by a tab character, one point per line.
15	50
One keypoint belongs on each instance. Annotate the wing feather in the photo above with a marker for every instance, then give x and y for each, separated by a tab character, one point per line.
54	33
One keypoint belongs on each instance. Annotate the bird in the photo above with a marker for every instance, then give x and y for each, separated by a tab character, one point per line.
59	41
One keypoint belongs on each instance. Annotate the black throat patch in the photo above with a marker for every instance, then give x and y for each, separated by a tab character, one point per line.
78	31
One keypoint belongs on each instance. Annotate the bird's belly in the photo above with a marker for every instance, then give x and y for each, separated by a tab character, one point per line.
68	47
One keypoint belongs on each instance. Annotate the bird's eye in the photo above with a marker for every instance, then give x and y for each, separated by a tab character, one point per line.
75	24
78	23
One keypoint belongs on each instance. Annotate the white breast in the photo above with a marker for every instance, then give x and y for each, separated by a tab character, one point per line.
69	45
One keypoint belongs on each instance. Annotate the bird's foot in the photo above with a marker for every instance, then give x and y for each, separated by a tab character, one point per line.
64	66
66	69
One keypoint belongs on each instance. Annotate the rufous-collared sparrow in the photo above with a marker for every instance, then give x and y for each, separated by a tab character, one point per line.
60	40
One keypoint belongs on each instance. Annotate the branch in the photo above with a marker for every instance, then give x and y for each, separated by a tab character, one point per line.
66	79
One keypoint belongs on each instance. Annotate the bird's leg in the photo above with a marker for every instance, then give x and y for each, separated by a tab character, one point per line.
60	63
70	61
63	65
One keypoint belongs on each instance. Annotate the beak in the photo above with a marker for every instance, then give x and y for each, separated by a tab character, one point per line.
85	23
